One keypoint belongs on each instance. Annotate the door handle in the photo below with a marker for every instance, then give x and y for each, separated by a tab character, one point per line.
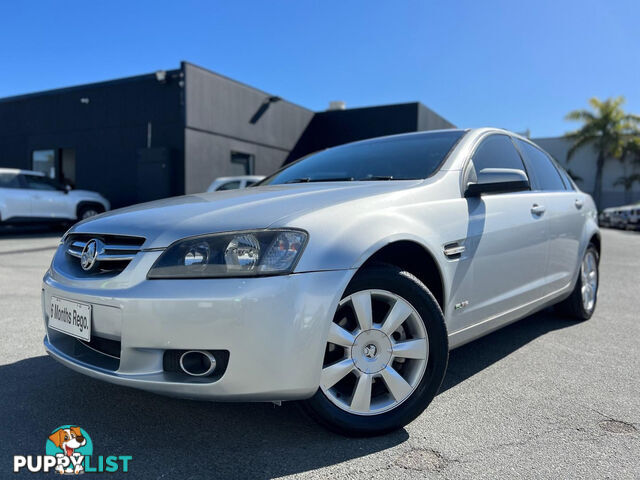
538	209
579	203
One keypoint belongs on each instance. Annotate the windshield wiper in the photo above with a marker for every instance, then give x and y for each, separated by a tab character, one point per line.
377	177
309	180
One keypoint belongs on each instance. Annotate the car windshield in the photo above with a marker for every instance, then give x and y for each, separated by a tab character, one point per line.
405	157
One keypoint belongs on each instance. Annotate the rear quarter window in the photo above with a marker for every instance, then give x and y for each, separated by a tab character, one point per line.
566	178
9	180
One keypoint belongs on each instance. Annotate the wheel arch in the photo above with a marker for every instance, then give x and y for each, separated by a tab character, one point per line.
596	240
416	259
89	203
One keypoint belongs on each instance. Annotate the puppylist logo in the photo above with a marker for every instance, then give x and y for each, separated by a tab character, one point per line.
69	450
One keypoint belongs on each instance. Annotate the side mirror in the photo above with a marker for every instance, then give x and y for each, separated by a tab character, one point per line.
67	188
497	180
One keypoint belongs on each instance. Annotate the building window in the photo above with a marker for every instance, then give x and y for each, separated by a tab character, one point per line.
44	161
242	163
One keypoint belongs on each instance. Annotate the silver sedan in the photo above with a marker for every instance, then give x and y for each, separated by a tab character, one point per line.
342	280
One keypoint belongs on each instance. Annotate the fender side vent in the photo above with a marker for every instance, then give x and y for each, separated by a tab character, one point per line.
453	250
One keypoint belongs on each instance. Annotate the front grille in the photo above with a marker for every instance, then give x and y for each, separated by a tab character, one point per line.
112	252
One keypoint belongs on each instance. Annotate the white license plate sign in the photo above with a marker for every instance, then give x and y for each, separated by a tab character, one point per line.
70	317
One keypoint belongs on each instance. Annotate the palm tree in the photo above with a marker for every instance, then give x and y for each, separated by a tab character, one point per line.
576	178
631	149
607	127
627	182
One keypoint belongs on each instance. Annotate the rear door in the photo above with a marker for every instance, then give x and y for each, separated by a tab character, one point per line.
14	200
509	249
564	215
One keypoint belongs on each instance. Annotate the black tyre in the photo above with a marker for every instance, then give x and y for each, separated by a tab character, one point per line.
386	355
581	304
89	210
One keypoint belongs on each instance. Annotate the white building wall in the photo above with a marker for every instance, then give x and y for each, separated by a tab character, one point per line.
583	164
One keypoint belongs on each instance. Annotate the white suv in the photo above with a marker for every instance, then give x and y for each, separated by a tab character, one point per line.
31	196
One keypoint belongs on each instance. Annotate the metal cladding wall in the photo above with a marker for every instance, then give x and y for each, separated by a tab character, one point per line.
430	120
198	120
106	124
336	127
224	116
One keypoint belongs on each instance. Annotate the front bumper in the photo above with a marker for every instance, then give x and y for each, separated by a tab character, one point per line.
274	328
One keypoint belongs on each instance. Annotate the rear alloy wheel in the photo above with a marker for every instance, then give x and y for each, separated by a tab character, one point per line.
582	302
589	281
385	356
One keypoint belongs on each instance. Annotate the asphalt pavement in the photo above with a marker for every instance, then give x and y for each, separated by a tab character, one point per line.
542	398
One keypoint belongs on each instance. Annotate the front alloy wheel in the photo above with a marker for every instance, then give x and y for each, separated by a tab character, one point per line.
385	356
376	353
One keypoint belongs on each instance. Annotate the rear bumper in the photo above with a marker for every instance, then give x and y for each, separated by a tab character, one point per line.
274	328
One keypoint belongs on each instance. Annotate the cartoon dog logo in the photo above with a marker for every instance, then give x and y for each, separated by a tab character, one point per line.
68	439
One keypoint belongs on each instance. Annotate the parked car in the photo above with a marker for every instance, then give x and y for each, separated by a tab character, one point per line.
27	196
633	218
619	218
605	217
234	183
626	217
343	280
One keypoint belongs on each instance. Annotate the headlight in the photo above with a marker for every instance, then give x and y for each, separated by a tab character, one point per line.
237	254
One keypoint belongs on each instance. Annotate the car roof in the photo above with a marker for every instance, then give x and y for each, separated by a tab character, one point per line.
19	171
621	208
470	135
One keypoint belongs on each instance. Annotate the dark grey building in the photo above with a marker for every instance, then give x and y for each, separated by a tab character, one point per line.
175	131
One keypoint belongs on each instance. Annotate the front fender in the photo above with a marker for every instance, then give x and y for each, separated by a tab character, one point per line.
348	245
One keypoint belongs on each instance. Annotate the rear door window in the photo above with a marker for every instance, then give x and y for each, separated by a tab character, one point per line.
545	174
